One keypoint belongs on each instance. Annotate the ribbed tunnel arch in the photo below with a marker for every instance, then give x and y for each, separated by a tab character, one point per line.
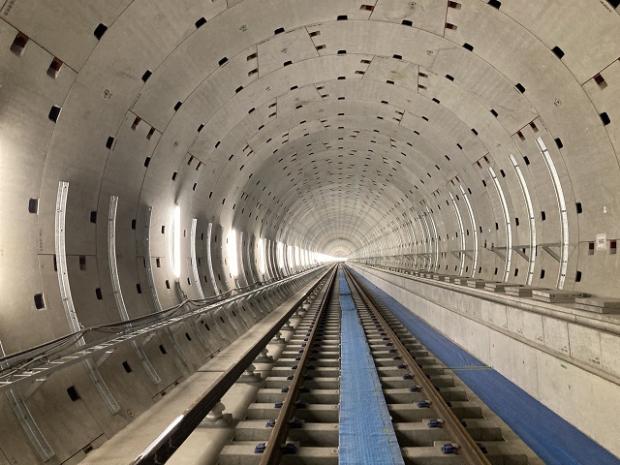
460	137
472	138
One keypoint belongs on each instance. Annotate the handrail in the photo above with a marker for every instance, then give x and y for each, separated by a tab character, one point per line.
18	367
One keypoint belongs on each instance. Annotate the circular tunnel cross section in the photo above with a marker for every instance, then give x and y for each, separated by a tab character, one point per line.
177	174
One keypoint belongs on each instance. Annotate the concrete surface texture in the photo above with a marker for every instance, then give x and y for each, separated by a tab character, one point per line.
153	150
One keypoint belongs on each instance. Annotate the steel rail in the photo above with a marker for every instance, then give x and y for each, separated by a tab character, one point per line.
273	450
468	448
162	448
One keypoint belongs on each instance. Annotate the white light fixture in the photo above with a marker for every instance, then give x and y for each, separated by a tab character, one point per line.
297	258
262	259
176	241
231	249
289	257
280	254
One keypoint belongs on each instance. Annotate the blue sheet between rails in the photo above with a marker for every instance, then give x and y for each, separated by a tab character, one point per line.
555	440
366	434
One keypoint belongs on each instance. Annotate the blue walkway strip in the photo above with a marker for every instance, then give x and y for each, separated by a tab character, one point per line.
556	441
366	435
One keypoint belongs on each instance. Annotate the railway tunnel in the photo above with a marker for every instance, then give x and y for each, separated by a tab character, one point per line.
309	232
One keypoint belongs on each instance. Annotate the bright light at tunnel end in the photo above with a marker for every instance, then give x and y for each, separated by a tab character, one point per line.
324	258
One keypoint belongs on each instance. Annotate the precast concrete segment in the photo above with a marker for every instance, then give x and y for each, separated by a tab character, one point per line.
556	441
366	434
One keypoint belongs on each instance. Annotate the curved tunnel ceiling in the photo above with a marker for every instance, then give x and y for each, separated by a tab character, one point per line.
469	137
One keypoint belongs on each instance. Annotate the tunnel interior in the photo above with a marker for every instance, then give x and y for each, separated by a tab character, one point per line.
220	144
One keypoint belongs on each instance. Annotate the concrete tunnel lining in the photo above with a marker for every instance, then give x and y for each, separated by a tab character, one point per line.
468	138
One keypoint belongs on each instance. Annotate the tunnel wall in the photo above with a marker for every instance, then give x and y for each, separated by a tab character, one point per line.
566	360
367	128
160	120
59	419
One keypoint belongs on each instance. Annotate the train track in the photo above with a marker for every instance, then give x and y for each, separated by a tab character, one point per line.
293	417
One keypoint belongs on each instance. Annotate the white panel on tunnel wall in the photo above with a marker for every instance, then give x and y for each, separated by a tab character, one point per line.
472	218
193	259
116	285
290	257
67	297
435	239
428	248
461	233
147	260
245	251
175	241
210	261
241	271
231	253
502	199
61	259
280	255
559	193
297	258
117	291
262	260
532	220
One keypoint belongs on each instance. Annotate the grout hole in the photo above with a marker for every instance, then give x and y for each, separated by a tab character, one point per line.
33	206
39	301
558	52
604	118
19	43
600	80
73	393
54	68
54	113
100	30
